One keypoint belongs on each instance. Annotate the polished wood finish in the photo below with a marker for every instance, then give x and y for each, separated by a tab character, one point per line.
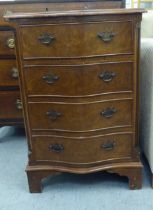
76	121
54	5
81	116
85	151
8	70
77	36
80	76
69	13
42	6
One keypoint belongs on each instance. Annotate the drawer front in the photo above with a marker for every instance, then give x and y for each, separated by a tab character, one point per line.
80	117
9	73
90	150
10	106
7	43
77	40
79	80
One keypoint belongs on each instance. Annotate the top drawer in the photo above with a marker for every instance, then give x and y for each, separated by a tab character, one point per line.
72	40
7	43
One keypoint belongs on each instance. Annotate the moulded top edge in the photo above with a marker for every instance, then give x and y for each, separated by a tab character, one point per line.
10	15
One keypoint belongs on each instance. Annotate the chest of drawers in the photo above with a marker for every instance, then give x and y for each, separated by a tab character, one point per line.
79	76
10	101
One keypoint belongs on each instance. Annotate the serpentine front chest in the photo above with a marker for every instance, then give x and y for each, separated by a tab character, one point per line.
79	76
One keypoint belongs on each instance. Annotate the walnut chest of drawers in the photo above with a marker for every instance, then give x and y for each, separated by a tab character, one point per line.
79	76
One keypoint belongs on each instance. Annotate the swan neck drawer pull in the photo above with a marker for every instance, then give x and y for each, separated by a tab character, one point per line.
108	146
53	115
106	36
109	112
46	39
107	76
50	78
56	148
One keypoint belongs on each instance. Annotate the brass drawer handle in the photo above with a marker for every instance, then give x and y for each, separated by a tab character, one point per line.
53	115
14	73
106	36
109	112
18	104
107	76
46	39
11	43
56	148
50	78
108	146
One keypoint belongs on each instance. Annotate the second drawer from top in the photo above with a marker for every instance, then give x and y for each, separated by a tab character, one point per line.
79	80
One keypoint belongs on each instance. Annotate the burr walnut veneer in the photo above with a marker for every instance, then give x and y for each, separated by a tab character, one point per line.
79	77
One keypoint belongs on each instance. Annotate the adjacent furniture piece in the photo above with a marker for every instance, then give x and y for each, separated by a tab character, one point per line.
79	75
10	101
146	122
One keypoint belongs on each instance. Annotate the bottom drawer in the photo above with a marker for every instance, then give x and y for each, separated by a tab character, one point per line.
10	106
82	150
